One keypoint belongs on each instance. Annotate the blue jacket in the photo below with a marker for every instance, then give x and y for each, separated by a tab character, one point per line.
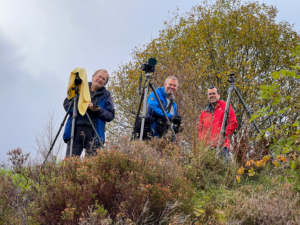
105	114
153	109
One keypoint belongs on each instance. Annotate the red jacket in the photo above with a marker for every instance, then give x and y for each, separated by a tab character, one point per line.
210	124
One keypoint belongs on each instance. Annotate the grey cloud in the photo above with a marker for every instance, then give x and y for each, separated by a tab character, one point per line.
24	101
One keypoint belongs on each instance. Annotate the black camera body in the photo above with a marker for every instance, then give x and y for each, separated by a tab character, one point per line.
149	67
176	120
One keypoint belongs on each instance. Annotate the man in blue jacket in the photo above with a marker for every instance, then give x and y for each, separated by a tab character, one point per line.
100	110
166	97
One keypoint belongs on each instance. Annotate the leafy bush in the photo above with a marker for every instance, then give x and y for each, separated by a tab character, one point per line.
14	198
206	170
117	182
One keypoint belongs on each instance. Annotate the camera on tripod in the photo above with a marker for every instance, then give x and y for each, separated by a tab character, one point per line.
149	67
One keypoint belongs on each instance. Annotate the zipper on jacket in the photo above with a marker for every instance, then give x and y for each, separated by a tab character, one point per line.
212	116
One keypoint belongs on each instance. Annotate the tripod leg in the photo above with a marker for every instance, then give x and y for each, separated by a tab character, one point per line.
61	125
225	118
137	115
248	112
73	123
94	128
162	109
144	112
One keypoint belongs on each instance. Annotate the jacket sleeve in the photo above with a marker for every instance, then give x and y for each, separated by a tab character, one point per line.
107	113
66	105
232	122
154	106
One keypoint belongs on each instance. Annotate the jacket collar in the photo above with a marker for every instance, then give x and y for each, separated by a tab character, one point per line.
98	91
210	108
163	93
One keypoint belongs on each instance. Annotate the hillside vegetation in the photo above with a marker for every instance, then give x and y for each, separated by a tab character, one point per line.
158	182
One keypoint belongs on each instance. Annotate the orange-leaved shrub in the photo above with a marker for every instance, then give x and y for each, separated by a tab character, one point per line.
117	182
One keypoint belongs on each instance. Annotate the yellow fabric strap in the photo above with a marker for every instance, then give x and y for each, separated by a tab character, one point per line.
84	91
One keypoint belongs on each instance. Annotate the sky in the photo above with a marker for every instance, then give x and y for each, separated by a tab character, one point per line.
42	41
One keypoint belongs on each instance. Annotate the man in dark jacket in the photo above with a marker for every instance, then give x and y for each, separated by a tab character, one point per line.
100	109
166	97
211	119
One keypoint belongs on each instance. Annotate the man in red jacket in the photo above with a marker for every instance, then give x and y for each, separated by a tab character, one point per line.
211	119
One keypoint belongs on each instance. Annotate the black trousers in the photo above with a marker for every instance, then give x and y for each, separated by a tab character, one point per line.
84	137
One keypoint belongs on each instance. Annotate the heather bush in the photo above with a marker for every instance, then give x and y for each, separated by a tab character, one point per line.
265	204
117	182
154	182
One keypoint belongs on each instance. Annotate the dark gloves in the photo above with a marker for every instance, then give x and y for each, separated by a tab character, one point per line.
176	120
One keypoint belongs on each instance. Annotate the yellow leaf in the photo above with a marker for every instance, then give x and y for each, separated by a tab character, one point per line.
266	158
241	170
283	158
248	163
238	178
276	163
258	163
251	172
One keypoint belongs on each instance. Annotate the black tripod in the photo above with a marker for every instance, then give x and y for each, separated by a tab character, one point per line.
77	82
144	97
232	88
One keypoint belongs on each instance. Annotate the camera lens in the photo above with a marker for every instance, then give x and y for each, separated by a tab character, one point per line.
152	62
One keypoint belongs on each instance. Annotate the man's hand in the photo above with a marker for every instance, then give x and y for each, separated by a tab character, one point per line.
93	108
176	120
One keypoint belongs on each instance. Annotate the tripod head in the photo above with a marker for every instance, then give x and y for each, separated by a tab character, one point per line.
77	82
231	79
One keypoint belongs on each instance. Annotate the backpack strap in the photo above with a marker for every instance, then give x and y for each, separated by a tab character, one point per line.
170	105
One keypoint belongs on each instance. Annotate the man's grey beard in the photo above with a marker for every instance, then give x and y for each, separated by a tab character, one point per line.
169	95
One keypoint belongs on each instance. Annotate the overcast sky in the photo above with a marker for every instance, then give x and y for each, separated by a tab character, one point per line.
42	41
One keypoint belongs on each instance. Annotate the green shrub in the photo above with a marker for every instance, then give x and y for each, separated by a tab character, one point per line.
13	201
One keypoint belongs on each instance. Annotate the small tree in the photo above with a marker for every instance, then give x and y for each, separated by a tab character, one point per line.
45	138
201	48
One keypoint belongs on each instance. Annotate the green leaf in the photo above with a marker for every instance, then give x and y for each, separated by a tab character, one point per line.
281	141
280	178
285	150
295	173
296	124
276	75
293	164
287	171
284	72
